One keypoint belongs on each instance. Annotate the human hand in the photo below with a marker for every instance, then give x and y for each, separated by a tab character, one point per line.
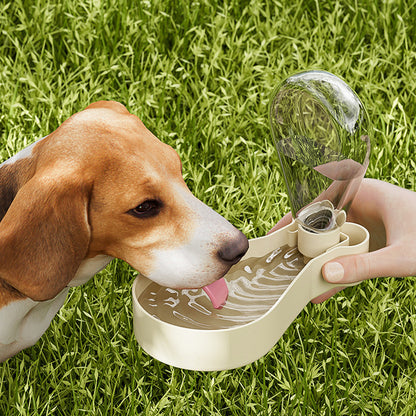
388	213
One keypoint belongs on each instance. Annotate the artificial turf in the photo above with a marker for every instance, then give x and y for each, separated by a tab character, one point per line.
200	74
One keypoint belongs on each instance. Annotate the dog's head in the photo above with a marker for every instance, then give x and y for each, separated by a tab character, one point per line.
104	184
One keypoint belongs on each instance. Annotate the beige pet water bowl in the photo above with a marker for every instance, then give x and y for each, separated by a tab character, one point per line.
321	132
236	346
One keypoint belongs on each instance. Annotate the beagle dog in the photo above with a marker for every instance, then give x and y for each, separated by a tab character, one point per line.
100	186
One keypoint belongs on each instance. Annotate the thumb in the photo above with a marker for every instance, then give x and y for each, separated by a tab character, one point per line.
351	269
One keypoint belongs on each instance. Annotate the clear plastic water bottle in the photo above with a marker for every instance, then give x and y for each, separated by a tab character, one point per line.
322	135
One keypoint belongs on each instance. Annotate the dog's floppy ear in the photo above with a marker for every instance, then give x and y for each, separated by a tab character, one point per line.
44	236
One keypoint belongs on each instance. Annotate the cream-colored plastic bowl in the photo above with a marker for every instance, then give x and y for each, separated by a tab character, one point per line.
222	349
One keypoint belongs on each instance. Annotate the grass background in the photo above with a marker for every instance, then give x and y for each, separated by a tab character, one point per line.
200	74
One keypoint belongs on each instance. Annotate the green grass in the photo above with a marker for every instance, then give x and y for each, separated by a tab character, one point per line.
200	75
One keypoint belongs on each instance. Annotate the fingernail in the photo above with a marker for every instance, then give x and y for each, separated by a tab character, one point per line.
334	272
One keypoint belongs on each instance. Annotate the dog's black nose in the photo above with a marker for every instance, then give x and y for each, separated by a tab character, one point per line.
233	250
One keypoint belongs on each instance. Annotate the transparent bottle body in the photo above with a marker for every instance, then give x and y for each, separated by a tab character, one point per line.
321	133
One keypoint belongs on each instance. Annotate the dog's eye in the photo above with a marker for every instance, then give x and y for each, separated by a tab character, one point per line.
146	209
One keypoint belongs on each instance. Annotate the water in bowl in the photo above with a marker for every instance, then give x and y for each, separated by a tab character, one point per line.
254	287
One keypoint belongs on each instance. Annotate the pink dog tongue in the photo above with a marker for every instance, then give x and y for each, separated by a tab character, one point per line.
217	292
